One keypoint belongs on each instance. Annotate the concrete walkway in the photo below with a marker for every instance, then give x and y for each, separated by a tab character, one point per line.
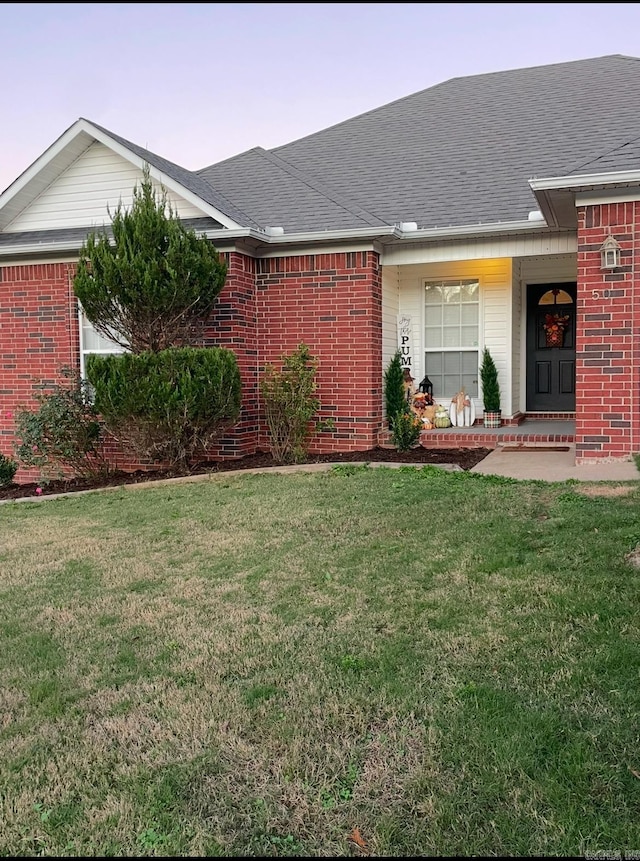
545	465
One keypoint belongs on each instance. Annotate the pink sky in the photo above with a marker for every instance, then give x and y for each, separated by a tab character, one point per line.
199	82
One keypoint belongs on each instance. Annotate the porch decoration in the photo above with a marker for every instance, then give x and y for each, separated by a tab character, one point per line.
423	407
462	410
441	419
407	382
490	391
554	328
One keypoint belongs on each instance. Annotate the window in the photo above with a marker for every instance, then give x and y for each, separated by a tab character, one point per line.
92	342
451	336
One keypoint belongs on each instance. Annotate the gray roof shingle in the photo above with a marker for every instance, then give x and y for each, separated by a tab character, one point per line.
459	153
278	194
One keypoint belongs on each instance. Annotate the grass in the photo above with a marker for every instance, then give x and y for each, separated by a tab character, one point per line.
393	662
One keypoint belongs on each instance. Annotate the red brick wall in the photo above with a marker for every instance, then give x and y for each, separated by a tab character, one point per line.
234	325
608	339
332	303
38	336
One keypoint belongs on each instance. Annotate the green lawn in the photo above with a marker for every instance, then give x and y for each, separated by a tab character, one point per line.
257	665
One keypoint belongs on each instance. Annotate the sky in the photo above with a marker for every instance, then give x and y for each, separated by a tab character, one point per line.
200	82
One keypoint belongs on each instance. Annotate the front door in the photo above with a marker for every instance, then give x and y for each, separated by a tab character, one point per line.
551	347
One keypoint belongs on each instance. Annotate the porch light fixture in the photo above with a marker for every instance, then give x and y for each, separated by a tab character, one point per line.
609	253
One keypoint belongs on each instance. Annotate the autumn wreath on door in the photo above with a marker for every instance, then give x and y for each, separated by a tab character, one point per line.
555	326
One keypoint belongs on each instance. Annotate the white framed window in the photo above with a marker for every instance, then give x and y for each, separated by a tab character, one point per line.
451	336
91	342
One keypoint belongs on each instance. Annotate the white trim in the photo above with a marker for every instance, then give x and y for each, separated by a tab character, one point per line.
586	198
621	177
117	351
84	133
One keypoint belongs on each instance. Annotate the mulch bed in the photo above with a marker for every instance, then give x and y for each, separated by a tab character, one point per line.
466	458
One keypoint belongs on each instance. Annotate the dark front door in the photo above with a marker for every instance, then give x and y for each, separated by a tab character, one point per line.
551	347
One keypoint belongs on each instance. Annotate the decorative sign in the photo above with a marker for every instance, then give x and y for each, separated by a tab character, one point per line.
404	341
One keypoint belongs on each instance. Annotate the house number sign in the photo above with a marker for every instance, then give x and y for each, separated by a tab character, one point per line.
601	294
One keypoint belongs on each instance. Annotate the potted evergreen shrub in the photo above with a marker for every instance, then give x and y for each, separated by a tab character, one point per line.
490	391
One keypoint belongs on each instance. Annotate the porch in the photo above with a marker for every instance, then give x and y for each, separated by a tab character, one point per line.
530	432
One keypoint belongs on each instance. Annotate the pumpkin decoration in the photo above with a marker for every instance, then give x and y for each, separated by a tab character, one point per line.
427	424
441	419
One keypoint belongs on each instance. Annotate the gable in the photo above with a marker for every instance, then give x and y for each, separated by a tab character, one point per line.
79	197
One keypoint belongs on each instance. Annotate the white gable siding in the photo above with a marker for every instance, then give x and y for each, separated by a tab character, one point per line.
495	327
79	196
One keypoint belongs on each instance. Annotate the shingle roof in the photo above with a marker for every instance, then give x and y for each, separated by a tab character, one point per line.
459	153
625	157
278	194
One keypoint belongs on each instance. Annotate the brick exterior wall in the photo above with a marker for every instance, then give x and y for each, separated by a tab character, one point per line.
608	336
331	302
37	305
234	325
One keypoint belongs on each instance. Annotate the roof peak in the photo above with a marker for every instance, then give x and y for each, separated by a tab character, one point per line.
446	82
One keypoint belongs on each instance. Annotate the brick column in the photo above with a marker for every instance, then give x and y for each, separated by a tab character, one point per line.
333	304
608	335
233	325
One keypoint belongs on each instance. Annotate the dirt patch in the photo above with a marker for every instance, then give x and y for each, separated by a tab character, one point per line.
466	458
633	558
605	490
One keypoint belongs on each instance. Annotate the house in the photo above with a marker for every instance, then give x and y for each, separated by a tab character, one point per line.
499	210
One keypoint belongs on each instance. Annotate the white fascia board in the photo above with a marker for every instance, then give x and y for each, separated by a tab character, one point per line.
386	234
586	181
60	247
559	195
167	181
614	195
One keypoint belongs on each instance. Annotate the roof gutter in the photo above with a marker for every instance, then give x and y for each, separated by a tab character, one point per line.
258	238
556	195
586	181
387	233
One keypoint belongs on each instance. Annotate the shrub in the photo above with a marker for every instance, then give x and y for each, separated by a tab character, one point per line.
406	430
64	433
167	406
490	385
152	285
395	400
8	469
290	404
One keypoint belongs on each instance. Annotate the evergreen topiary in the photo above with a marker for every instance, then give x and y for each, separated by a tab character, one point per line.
490	385
395	400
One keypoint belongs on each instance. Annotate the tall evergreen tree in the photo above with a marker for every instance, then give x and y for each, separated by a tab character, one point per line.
152	285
